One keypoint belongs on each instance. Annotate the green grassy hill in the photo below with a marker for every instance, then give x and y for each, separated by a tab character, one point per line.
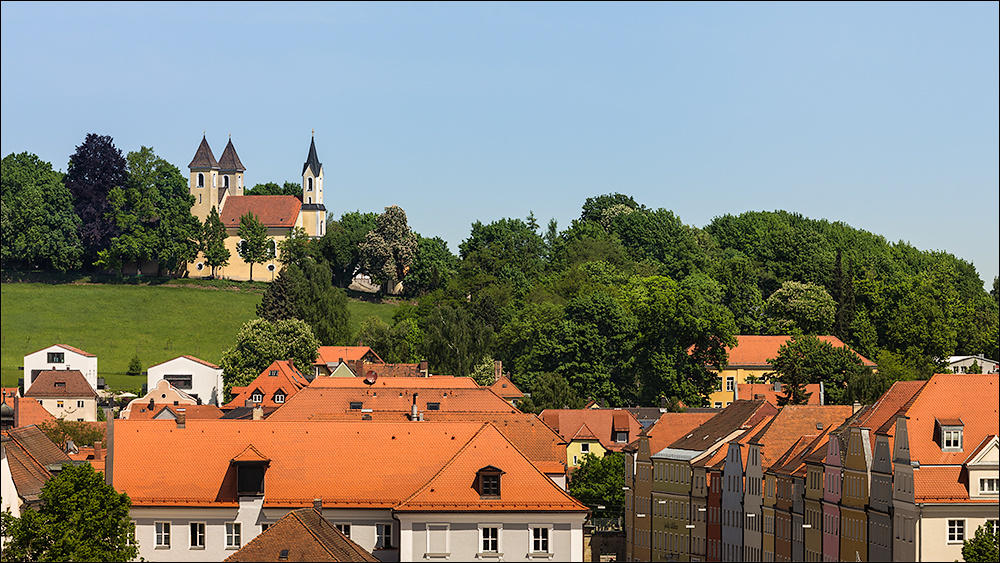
116	322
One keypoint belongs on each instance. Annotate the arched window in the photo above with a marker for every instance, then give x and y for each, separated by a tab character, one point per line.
310	199
201	180
225	181
272	247
309	185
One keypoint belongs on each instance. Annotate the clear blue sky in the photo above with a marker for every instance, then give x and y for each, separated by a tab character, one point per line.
883	116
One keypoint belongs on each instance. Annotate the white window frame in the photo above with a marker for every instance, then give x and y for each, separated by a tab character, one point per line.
383	536
197	536
161	534
79	404
546	540
442	527
585	448
956	530
279	398
257	398
497	527
234	535
989	486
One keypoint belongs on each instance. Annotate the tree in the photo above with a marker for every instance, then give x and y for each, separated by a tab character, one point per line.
594	208
94	170
341	245
261	342
843	295
800	308
305	291
984	545
433	265
80	519
60	430
389	248
804	360
402	343
295	247
253	249
135	366
599	484
552	391
272	188
213	241
39	225
456	341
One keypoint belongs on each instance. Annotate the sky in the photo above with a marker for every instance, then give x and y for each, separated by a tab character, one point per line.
882	116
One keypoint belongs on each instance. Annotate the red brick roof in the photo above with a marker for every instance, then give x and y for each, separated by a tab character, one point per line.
60	383
286	379
767	392
506	388
334	354
29	411
885	409
304	535
793	422
943	484
274	211
974	398
347	464
602	422
672	426
29	452
753	351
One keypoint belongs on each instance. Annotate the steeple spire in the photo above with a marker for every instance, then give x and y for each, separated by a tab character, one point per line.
312	161
204	158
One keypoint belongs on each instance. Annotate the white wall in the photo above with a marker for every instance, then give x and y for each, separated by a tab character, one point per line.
70	409
8	492
87	365
206	382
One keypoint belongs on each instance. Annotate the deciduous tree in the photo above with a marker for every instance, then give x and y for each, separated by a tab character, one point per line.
456	341
805	360
261	342
389	248
94	170
341	245
598	483
253	249
213	242
800	308
983	546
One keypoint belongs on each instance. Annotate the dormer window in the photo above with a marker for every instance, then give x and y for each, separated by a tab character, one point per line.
250	468
279	397
488	479
60	384
257	397
433	406
356	405
272	373
621	437
949	434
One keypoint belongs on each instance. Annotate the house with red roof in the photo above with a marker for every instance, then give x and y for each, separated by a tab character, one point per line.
454	490
60	357
65	394
197	378
27	460
329	358
162	394
220	184
592	431
750	360
304	535
271	388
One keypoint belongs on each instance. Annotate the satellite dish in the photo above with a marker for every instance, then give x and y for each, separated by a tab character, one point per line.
370	378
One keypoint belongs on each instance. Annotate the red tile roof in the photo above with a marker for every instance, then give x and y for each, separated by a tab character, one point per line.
191	412
274	211
793	422
335	354
885	409
286	379
755	351
347	464
362	368
671	426
975	398
506	388
303	535
60	383
602	422
70	348
740	414
29	452
29	411
767	392
943	484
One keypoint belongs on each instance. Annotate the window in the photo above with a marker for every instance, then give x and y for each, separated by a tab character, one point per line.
383	536
309	184
491	485
225	182
989	486
272	373
437	539
59	404
490	537
956	531
540	540
730	383
279	397
201	180
56	357
953	439
718	404
356	405
995	524
264	526
621	437
257	397
180	381
272	248
198	535
162	534
344	529
79	405
234	535
585	448
433	406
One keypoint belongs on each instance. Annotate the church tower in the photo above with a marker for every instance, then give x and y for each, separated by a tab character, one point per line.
204	177
230	172
313	210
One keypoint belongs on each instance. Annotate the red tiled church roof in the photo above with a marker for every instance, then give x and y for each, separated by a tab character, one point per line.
273	211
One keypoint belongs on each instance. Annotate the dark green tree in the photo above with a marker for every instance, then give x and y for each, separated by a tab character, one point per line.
341	245
272	188
40	228
213	242
134	366
598	483
401	343
983	546
94	169
296	247
60	430
305	291
253	249
455	340
804	360
433	265
80	519
552	391
594	207
843	295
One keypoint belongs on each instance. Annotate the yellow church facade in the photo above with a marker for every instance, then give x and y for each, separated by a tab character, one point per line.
220	184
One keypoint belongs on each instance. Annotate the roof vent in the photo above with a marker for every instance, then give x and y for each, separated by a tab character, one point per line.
283	556
819	426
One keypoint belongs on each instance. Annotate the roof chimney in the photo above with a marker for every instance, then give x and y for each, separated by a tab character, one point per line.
855	407
423	368
497	370
318	504
98	453
258	412
413	409
181	418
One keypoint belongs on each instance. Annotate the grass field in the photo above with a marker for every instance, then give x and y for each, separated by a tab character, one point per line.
115	322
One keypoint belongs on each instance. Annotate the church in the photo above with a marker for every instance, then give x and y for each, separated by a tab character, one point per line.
220	184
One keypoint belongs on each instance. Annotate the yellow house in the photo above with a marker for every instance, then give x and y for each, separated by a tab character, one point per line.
750	359
583	443
220	184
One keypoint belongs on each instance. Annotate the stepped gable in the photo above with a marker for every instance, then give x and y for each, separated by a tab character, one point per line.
302	535
273	211
230	161
203	157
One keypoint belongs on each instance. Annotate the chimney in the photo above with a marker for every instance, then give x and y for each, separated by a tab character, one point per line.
181	418
248	403
777	386
109	465
98	454
497	370
318	504
413	409
423	368
258	412
152	405
855	407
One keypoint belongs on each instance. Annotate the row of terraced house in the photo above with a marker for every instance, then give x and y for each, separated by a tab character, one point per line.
909	478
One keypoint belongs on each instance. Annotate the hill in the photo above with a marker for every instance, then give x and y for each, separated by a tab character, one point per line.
118	321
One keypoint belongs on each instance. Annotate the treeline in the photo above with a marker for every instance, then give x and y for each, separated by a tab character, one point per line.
627	304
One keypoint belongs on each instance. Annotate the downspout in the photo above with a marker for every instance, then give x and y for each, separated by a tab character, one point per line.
920	530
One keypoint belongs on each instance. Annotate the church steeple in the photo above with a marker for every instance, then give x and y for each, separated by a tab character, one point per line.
204	177
313	210
312	161
231	169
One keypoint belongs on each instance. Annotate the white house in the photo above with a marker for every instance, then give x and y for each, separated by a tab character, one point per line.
406	491
60	357
65	394
197	378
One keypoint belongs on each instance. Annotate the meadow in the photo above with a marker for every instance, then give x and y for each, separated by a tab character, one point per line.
117	322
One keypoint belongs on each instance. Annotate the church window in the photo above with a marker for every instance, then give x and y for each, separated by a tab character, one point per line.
199	198
225	181
201	180
309	185
272	248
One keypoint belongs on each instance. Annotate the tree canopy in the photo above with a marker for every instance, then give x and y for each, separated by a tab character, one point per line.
253	248
261	342
598	483
94	170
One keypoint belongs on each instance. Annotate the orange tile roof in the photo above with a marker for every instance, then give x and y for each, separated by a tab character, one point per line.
884	411
304	535
191	412
29	452
275	211
584	433
793	422
671	426
755	351
506	388
70	348
522	484
975	398
335	354
767	392
942	484
347	464
603	422
192	358
286	379
396	383
60	383
740	414
29	411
